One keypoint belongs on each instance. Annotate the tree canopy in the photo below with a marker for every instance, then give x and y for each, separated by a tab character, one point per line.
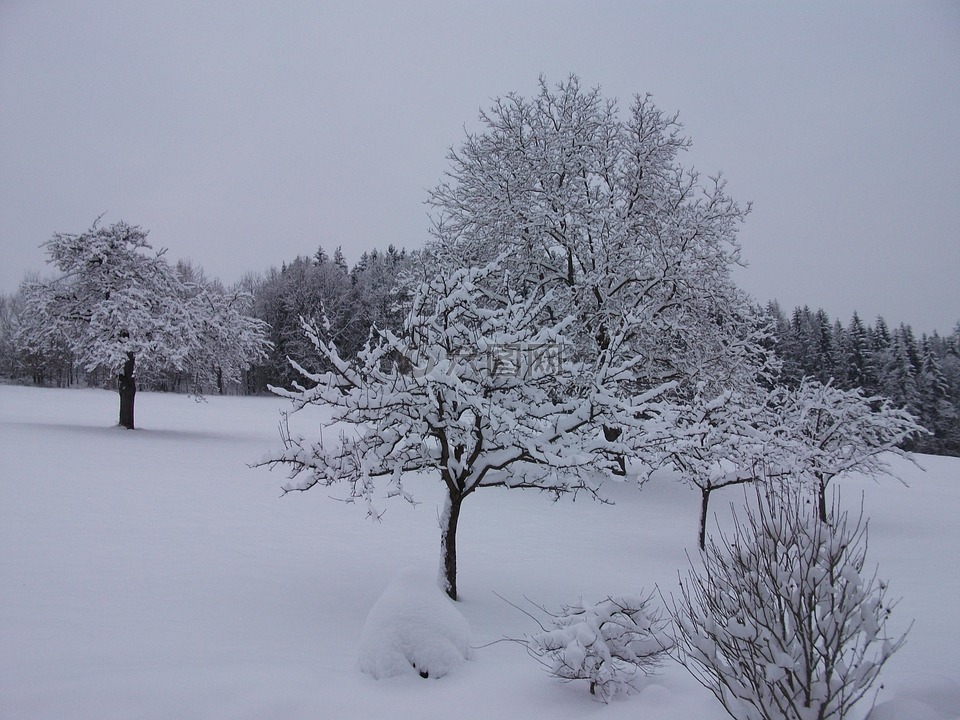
567	239
119	307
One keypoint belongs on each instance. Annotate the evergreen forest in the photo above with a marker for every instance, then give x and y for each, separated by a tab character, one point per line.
920	374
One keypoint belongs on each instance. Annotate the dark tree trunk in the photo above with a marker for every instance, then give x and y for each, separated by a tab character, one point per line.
704	502
612	434
127	387
448	544
823	500
219	380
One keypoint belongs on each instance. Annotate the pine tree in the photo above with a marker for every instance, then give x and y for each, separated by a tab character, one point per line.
825	361
937	413
321	258
339	260
898	374
859	356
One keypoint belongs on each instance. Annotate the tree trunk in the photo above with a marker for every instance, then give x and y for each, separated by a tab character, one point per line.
704	502
612	434
448	545
127	387
823	500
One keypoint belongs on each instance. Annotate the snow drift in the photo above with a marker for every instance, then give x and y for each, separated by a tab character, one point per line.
413	627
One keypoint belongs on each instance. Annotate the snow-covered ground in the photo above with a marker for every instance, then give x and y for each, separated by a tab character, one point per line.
152	574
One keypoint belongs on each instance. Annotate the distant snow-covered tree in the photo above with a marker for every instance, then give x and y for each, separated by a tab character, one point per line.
120	308
718	429
11	309
377	296
351	302
227	339
938	414
824	431
37	351
898	371
861	372
721	440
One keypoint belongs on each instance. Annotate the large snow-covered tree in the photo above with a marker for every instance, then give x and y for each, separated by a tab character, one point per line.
577	276
122	308
473	388
560	225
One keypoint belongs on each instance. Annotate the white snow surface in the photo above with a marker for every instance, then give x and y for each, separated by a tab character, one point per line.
152	574
414	627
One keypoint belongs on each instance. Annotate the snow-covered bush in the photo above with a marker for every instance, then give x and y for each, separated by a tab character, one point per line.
781	622
413	627
611	643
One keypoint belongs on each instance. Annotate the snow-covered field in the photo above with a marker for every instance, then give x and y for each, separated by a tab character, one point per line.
152	574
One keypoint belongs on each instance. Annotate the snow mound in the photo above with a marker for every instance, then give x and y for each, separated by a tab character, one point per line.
413	627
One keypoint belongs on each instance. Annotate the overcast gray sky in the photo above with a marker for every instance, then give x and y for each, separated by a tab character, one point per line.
242	134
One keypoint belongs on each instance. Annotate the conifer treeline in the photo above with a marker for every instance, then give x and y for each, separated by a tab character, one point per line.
351	299
922	375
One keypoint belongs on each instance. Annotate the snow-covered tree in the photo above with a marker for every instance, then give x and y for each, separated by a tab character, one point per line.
718	429
721	439
38	352
473	388
823	431
783	622
898	373
560	224
938	414
859	359
595	209
351	301
227	339
11	307
121	308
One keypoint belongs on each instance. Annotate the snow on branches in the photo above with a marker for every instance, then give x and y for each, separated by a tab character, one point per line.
782	622
594	207
720	440
475	388
823	431
226	339
113	298
807	435
611	644
121	308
